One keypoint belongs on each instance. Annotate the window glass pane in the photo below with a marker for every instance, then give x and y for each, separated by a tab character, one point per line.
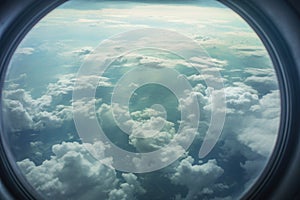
139	100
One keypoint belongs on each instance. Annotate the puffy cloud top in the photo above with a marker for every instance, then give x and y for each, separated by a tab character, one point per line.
196	177
73	174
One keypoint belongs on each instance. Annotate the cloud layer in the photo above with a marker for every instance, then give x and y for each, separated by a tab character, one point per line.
72	173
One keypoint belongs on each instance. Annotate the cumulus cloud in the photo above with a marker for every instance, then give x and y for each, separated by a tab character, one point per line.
240	98
66	84
261	132
159	140
71	173
127	190
25	112
148	129
198	178
148	122
22	118
52	108
209	70
258	127
263	80
85	107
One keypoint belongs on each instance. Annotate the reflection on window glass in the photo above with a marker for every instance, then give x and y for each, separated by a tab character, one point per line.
132	100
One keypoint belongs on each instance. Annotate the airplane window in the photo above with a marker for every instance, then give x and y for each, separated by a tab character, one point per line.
139	100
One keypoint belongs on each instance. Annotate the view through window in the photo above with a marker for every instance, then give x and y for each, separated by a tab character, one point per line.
138	100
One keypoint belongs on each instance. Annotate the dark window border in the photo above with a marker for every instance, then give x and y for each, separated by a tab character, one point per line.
278	27
16	20
276	23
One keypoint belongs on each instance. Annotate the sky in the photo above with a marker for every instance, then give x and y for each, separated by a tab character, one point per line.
113	100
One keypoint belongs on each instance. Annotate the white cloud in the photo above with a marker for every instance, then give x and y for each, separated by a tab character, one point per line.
208	62
51	109
25	50
83	51
66	84
259	124
148	122
24	112
36	144
180	13
210	78
242	34
85	107
77	54
196	177
159	140
260	71
71	173
21	118
210	41
148	129
247	50
141	124
262	130
253	170
263	84
128	190
240	98
150	61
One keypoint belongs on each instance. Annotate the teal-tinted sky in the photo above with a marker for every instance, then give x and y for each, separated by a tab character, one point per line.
40	83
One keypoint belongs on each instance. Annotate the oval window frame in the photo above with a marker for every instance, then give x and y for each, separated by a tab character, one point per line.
19	17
